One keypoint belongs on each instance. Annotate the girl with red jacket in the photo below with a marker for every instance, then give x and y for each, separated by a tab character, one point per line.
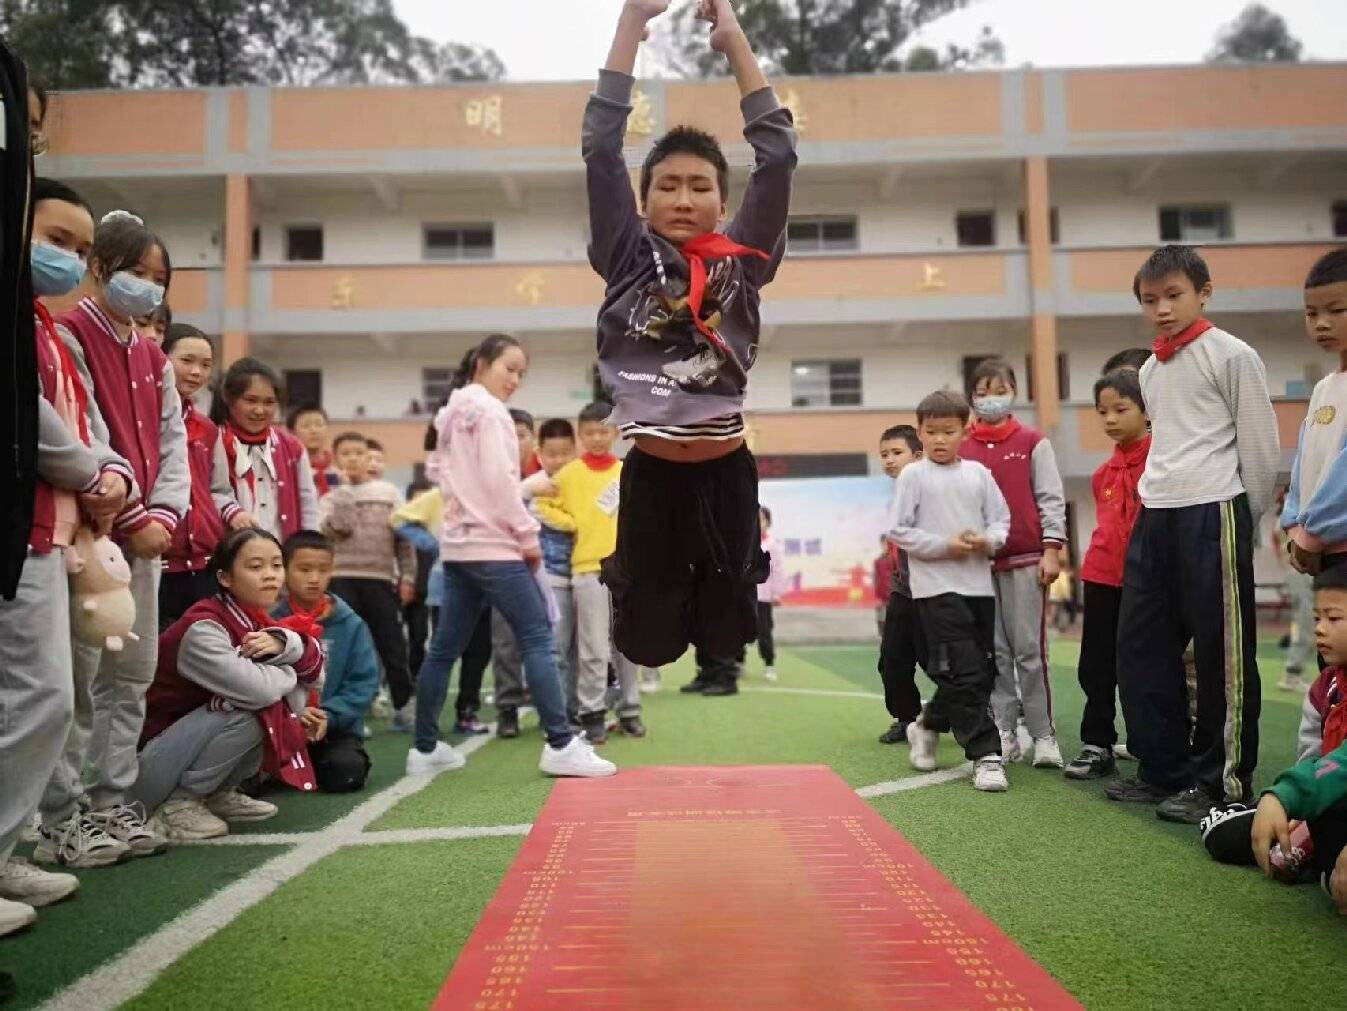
1117	398
212	510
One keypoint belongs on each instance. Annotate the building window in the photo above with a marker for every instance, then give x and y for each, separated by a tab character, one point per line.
458	242
435	387
304	242
975	228
835	383
1063	378
1021	226
1195	224
821	235
303	387
256	253
1340	219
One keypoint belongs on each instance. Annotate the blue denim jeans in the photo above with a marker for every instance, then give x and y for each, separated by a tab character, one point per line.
510	588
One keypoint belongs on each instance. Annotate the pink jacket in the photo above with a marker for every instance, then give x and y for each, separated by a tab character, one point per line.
774	589
476	465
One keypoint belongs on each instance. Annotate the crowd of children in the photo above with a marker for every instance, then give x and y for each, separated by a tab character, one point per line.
278	580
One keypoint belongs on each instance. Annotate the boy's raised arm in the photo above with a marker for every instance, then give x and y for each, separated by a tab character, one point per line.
614	221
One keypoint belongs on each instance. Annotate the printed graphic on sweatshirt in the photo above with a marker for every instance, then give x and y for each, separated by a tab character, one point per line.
608	499
661	314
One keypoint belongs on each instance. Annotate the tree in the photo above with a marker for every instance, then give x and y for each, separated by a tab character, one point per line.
65	43
1258	35
807	37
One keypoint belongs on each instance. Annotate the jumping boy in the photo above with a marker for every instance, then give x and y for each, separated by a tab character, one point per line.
1189	570
901	645
677	332
951	518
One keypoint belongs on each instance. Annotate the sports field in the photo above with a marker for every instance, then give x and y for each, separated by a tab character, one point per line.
364	901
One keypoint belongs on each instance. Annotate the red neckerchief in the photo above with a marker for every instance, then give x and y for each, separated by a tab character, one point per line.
246	437
984	431
1131	454
598	461
320	462
74	385
1335	720
531	466
231	436
1166	348
307	622
695	251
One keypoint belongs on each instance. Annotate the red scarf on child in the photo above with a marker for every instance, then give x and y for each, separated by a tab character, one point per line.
231	436
696	251
598	461
320	462
985	431
1166	348
308	623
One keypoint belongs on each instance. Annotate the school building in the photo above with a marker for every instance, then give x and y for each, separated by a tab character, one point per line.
360	239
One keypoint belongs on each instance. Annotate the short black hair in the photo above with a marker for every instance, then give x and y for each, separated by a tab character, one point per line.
1334	578
596	412
1127	358
295	414
54	189
1328	269
522	417
302	539
374	444
556	428
993	368
943	404
687	140
1173	260
227	551
1124	382
906	433
349	437
181	332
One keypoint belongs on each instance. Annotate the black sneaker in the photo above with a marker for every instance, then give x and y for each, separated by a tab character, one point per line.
1091	763
730	686
632	726
596	729
507	723
1227	834
896	734
696	686
1135	791
1187	807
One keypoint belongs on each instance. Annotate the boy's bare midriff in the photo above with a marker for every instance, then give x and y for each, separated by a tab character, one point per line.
687	452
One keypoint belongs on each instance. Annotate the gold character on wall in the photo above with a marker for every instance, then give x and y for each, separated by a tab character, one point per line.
642	118
792	101
486	114
343	293
530	287
932	278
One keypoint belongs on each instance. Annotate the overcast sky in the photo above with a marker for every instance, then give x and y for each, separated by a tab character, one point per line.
568	39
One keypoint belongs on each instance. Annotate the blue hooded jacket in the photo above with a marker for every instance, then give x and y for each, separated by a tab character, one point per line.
352	677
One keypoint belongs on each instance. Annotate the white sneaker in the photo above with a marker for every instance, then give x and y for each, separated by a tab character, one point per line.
1024	739
29	833
382	706
187	821
770	673
15	916
990	775
1120	751
235	806
1047	755
443	757
126	823
1010	747
575	759
921	745
78	842
20	881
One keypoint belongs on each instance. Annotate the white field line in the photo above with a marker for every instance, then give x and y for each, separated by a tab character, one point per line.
916	782
136	968
827	692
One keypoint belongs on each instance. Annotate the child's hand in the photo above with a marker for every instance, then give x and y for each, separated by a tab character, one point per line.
406	591
150	541
1304	561
259	645
719	14
1050	567
976	543
533	557
1270	825
314	721
107	500
958	547
647	9
240	520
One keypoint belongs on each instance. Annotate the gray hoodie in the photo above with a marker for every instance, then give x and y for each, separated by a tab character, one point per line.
656	366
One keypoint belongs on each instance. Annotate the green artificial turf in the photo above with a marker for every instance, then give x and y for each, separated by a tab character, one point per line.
368	927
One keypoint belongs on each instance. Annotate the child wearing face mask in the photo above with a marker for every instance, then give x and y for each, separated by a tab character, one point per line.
213	511
268	467
133	386
1025	467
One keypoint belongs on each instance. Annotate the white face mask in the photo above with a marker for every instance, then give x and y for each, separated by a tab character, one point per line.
129	295
993	408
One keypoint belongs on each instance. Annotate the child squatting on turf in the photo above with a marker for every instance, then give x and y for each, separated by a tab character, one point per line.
1189	570
677	333
951	519
902	645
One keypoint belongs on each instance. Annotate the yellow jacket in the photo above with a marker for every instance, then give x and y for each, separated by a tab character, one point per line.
588	499
427	509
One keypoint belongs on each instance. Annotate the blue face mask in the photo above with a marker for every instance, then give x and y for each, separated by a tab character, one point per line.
56	271
129	295
993	408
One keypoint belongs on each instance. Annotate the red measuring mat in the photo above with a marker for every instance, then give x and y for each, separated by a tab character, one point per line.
737	888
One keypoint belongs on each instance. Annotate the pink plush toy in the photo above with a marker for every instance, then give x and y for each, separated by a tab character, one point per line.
102	610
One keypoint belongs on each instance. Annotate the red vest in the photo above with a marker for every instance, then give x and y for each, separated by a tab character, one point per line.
172	696
49	364
128	382
201	530
287	452
1009	460
1117	505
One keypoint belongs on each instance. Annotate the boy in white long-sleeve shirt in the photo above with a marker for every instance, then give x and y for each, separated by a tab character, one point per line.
1188	576
951	518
